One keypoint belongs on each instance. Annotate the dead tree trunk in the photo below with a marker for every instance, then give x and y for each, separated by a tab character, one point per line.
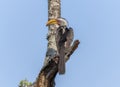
47	74
54	11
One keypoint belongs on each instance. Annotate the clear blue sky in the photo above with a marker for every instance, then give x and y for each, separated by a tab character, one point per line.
96	23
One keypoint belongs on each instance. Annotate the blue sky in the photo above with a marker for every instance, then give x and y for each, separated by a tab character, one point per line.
23	44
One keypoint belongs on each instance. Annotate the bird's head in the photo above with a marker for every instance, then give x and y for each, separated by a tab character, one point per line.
58	21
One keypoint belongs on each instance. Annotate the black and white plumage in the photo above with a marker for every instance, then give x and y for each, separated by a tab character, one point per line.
63	42
64	38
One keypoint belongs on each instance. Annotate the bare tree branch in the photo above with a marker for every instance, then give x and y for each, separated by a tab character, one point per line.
48	73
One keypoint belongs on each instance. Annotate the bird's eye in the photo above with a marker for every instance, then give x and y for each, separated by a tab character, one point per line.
58	21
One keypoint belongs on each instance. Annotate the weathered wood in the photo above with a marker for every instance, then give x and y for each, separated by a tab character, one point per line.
48	73
54	11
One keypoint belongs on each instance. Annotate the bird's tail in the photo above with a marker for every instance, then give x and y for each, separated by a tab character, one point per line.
61	65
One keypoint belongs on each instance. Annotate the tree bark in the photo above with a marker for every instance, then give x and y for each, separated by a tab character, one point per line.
54	11
48	73
46	78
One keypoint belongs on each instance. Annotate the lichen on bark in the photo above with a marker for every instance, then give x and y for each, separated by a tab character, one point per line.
54	11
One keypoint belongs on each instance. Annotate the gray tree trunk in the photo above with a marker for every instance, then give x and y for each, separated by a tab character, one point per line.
54	11
48	73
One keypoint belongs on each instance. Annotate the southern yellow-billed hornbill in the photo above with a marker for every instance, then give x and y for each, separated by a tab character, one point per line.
64	38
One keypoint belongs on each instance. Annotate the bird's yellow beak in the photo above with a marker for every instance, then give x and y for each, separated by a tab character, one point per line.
51	21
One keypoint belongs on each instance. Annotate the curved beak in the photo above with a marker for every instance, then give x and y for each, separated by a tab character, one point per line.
51	21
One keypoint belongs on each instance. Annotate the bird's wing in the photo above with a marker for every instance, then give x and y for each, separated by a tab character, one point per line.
60	41
69	37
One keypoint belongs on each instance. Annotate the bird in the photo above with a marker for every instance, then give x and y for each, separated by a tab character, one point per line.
64	38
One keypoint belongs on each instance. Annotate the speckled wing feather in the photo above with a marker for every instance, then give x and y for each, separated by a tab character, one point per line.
60	42
69	37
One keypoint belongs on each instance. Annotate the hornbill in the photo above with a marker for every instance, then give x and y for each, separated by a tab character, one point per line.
64	38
